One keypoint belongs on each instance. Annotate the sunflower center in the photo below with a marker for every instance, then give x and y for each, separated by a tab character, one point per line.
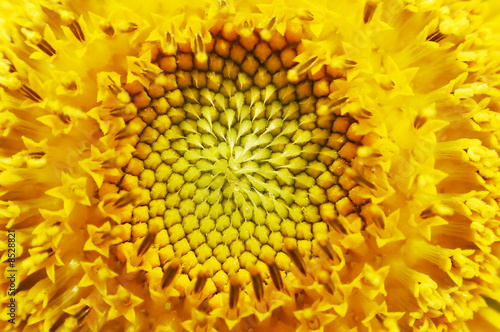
237	158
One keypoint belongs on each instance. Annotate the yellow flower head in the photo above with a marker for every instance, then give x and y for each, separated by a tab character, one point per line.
250	166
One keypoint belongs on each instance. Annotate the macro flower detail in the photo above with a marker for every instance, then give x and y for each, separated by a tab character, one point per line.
233	166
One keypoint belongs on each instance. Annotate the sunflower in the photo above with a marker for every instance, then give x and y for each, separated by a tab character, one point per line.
250	165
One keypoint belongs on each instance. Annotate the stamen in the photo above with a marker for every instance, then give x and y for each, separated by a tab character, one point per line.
146	243
268	30
200	282
256	282
325	279
336	224
107	28
80	315
437	209
59	322
29	93
128	198
170	273
294	74
422	118
77	30
127	27
201	57
6	62
305	14
46	47
275	275
115	90
436	36
369	10
234	292
171	46
296	257
327	248
245	29
127	111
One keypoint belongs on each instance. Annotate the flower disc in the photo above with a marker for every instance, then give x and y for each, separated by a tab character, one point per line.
238	161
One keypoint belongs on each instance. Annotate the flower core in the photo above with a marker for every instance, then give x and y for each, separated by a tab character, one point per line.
243	162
